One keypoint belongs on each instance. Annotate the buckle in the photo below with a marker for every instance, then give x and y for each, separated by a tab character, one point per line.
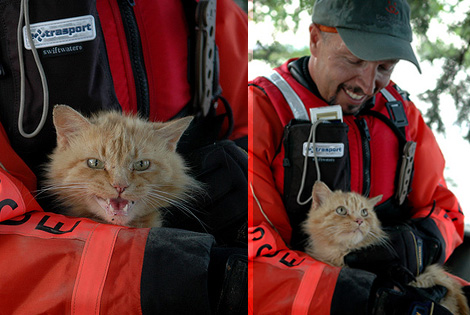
397	113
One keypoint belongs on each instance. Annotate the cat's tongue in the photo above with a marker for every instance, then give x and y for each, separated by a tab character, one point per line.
118	206
115	206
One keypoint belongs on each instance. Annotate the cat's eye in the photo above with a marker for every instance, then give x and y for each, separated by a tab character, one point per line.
341	211
364	212
141	165
95	164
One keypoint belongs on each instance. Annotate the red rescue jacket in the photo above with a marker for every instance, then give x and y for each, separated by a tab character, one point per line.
302	284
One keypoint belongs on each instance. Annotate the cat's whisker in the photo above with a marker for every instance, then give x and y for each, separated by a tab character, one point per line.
57	189
179	203
192	192
167	196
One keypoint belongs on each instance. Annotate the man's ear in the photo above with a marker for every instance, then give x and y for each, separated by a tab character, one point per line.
315	37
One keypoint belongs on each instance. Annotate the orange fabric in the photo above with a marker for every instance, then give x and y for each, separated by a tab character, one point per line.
327	29
93	269
40	267
284	279
126	266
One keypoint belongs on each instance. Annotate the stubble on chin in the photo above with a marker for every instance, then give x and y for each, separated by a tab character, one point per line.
347	109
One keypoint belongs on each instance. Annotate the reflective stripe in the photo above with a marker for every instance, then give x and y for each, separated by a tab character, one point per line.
294	101
93	270
388	96
307	288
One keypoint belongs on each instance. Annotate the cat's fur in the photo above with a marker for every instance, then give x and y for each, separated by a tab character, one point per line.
335	233
99	167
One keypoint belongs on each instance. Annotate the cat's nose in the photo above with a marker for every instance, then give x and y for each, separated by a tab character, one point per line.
359	221
120	188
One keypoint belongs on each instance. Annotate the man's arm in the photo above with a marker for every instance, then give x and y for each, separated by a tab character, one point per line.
429	195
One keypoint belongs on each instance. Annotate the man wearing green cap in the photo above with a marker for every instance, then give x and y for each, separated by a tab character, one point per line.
375	143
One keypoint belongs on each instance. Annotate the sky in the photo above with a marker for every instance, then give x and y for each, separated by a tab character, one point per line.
455	149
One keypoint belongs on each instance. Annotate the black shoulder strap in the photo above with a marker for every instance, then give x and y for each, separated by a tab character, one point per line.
396	111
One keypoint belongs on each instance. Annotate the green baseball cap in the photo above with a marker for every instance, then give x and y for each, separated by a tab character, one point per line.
371	29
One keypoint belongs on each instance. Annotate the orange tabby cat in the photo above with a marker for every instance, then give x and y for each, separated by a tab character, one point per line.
341	222
117	169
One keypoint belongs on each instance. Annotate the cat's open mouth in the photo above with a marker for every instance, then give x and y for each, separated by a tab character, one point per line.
115	206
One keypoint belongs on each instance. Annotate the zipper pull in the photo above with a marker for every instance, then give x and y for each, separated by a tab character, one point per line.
131	2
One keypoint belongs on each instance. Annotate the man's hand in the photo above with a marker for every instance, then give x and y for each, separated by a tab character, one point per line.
405	255
409	301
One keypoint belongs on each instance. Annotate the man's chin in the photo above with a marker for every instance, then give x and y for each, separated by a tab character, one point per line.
351	109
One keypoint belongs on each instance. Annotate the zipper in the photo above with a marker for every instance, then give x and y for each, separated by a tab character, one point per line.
419	253
366	156
136	56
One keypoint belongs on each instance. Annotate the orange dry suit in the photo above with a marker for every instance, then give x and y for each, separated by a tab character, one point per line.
366	154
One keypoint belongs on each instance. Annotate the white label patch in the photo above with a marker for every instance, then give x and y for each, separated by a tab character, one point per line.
61	32
324	150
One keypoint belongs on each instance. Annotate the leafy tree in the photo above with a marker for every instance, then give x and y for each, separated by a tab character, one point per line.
454	79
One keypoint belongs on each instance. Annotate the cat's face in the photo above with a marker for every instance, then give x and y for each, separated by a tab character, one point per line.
346	219
115	168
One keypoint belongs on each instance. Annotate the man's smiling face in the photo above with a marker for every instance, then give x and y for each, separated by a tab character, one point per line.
341	77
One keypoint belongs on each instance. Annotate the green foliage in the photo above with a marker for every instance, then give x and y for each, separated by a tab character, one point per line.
422	12
454	79
280	12
276	53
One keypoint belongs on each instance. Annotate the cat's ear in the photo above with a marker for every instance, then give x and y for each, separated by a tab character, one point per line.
67	122
173	130
375	200
320	193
